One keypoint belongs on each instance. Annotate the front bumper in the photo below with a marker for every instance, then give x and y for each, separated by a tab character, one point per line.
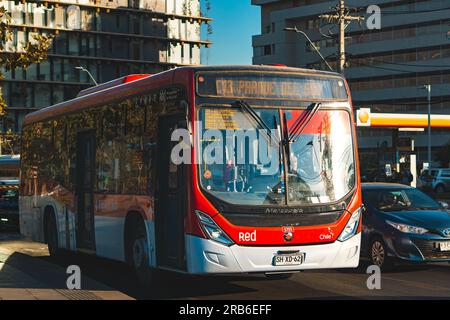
417	248
208	257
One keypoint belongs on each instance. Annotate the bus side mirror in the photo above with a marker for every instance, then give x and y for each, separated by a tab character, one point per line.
363	208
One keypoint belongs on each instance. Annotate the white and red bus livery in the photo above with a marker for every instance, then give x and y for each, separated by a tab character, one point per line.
98	173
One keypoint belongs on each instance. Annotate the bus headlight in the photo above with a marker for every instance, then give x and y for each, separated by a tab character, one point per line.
212	230
352	226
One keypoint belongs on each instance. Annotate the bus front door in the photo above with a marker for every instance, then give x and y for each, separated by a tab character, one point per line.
84	177
171	199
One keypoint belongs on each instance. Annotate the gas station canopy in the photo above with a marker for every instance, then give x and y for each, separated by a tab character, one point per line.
365	118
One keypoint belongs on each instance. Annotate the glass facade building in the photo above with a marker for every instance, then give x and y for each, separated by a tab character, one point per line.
110	38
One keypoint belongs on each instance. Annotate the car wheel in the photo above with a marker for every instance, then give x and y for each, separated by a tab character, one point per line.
378	254
278	276
440	189
138	253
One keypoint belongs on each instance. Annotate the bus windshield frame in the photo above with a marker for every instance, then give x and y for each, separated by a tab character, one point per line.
282	203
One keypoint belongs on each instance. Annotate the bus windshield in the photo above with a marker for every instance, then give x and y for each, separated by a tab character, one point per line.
243	164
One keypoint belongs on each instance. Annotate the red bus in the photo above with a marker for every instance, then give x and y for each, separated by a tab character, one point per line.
102	173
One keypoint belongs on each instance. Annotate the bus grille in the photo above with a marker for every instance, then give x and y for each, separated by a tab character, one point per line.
272	220
430	249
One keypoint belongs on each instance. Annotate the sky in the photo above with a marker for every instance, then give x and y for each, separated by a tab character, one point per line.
235	22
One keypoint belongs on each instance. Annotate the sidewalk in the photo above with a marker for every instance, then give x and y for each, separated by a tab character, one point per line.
29	277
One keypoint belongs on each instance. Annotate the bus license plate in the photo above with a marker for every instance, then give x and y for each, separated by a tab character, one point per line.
289	259
444	246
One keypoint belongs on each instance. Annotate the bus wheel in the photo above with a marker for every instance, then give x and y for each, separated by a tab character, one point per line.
278	276
138	253
51	234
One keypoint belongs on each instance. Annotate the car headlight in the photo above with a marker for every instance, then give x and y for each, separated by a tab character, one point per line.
212	230
351	226
407	228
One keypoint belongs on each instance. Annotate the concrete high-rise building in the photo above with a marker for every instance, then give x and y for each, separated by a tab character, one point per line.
109	38
386	68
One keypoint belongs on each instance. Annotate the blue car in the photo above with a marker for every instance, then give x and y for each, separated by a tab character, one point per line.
403	223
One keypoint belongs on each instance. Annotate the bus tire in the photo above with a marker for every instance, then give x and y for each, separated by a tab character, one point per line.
51	233
278	276
137	251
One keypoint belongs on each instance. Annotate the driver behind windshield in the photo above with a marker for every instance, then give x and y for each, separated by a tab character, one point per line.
390	200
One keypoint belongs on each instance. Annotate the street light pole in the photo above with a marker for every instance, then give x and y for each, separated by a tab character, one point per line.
89	74
428	88
342	22
311	43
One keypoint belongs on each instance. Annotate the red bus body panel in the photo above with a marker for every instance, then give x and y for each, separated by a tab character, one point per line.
139	84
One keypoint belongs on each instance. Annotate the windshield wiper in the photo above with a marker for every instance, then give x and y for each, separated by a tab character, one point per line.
286	142
280	152
256	118
422	208
300	124
303	121
284	160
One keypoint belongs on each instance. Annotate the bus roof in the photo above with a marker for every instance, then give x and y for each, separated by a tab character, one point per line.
135	84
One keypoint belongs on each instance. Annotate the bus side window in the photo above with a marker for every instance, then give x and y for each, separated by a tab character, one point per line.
135	180
59	160
107	159
149	144
71	150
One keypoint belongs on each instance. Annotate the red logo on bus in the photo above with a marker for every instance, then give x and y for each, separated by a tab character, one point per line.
287	229
288	233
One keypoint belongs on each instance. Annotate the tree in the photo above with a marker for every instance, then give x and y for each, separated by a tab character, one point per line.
32	52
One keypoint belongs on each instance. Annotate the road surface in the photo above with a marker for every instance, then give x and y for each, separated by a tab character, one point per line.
27	266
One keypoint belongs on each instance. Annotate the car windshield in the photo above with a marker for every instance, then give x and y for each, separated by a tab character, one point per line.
243	164
399	199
